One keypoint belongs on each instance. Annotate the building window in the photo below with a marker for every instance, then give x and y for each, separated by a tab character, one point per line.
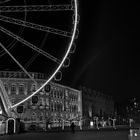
57	95
21	89
33	116
13	101
33	88
41	117
6	87
47	101
55	92
42	102
20	109
13	89
66	93
60	107
51	107
55	107
60	94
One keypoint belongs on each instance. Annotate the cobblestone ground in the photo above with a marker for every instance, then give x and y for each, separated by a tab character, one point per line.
83	135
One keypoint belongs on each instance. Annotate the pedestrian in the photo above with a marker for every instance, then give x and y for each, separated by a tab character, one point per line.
131	121
73	127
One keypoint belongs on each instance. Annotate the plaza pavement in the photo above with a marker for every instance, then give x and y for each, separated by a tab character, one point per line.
79	135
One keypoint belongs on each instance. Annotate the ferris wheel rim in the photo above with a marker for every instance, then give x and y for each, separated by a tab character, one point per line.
62	62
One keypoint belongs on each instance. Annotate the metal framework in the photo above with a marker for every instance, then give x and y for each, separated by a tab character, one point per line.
36	8
35	26
71	7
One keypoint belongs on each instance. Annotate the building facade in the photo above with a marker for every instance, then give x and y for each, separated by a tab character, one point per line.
54	106
96	104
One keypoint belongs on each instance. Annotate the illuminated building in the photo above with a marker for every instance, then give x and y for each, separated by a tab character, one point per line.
54	106
96	104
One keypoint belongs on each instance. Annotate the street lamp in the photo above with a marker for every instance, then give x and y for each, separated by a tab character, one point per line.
91	123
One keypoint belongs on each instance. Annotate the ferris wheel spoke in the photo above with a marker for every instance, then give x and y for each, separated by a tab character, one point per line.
2	46
36	8
34	57
28	44
35	26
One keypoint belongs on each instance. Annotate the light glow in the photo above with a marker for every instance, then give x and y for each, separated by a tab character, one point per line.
91	123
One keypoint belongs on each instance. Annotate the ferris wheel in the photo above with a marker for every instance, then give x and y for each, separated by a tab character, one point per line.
37	36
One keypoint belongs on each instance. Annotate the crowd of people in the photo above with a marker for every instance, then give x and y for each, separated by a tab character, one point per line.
101	122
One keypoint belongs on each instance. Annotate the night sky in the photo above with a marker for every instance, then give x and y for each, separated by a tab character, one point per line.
107	54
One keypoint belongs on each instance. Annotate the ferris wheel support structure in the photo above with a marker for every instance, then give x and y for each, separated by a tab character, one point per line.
5	102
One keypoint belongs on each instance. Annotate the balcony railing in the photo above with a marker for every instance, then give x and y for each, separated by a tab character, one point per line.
14	74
